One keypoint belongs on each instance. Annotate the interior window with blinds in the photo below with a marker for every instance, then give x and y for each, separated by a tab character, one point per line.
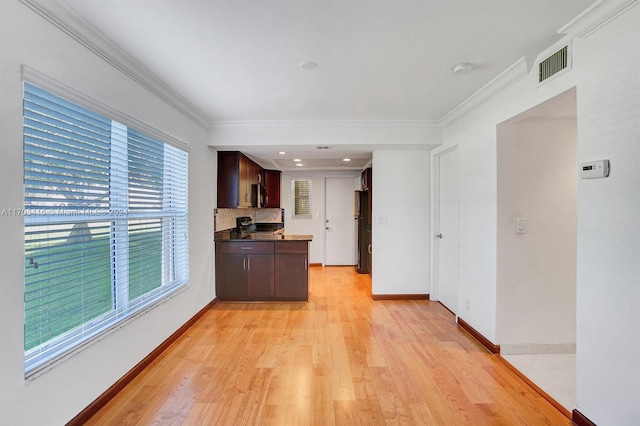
301	196
105	224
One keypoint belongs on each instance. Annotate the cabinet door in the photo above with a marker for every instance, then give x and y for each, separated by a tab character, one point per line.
292	276
256	174
228	179
260	283
232	278
272	184
244	185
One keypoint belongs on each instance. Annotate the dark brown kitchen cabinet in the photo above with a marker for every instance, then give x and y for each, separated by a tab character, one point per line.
254	174
231	276
236	174
272	185
245	271
262	270
292	270
260	277
245	170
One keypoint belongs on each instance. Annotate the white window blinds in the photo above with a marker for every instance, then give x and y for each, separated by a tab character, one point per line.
105	224
301	195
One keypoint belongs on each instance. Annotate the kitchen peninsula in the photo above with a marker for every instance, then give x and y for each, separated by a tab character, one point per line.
262	267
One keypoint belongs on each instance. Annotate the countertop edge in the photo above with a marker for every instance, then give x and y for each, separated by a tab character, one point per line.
225	236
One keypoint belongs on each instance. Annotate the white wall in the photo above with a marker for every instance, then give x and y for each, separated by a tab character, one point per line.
608	340
605	63
314	226
59	394
401	205
536	271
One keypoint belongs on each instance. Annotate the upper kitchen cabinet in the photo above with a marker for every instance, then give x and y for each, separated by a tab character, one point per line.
365	179
236	174
272	184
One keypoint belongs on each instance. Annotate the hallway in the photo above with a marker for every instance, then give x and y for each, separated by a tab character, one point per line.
341	358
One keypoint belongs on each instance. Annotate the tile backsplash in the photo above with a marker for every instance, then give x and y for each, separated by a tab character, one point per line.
226	218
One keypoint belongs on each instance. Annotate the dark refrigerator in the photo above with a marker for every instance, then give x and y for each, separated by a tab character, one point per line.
362	215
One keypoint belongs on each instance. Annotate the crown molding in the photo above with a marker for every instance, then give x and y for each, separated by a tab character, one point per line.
500	83
596	16
90	37
327	124
589	21
52	85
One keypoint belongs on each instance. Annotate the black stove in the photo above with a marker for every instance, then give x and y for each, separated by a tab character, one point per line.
244	227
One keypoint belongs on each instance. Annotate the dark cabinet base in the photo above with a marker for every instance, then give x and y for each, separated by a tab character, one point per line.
291	272
262	271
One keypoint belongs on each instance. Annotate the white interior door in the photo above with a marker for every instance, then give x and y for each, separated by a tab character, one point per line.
340	226
447	235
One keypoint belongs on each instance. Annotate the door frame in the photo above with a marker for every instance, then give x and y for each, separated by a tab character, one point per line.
324	216
435	225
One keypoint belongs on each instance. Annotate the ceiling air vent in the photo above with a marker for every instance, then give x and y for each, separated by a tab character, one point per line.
553	64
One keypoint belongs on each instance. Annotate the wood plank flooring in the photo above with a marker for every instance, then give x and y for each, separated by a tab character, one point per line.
340	359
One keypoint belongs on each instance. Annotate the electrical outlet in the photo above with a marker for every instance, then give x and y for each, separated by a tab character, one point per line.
468	304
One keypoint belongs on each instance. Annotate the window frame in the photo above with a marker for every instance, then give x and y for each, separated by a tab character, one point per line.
174	217
295	199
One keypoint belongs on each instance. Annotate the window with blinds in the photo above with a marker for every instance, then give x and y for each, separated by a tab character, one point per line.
301	196
105	224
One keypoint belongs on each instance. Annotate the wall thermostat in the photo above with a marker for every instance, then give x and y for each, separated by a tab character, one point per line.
594	169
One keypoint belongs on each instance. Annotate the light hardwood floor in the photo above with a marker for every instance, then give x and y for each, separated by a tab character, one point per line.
341	359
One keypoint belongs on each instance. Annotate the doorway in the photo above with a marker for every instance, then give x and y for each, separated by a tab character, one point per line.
340	224
446	227
537	244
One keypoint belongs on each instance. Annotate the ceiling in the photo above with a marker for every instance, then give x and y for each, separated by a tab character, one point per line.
238	61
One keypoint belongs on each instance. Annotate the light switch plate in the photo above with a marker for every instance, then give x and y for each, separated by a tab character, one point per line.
521	225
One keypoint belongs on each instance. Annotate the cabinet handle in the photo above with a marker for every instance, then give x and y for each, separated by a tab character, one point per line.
249	263
246	248
244	263
306	264
369	249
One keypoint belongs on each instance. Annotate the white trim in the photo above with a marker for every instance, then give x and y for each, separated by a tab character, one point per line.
503	81
592	19
52	85
537	348
88	36
596	16
374	124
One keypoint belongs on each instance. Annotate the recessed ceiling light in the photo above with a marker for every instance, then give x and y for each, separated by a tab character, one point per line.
346	159
281	152
297	159
299	165
308	65
462	68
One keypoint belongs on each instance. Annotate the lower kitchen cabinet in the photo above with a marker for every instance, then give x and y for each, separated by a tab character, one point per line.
292	270
258	270
260	277
231	277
